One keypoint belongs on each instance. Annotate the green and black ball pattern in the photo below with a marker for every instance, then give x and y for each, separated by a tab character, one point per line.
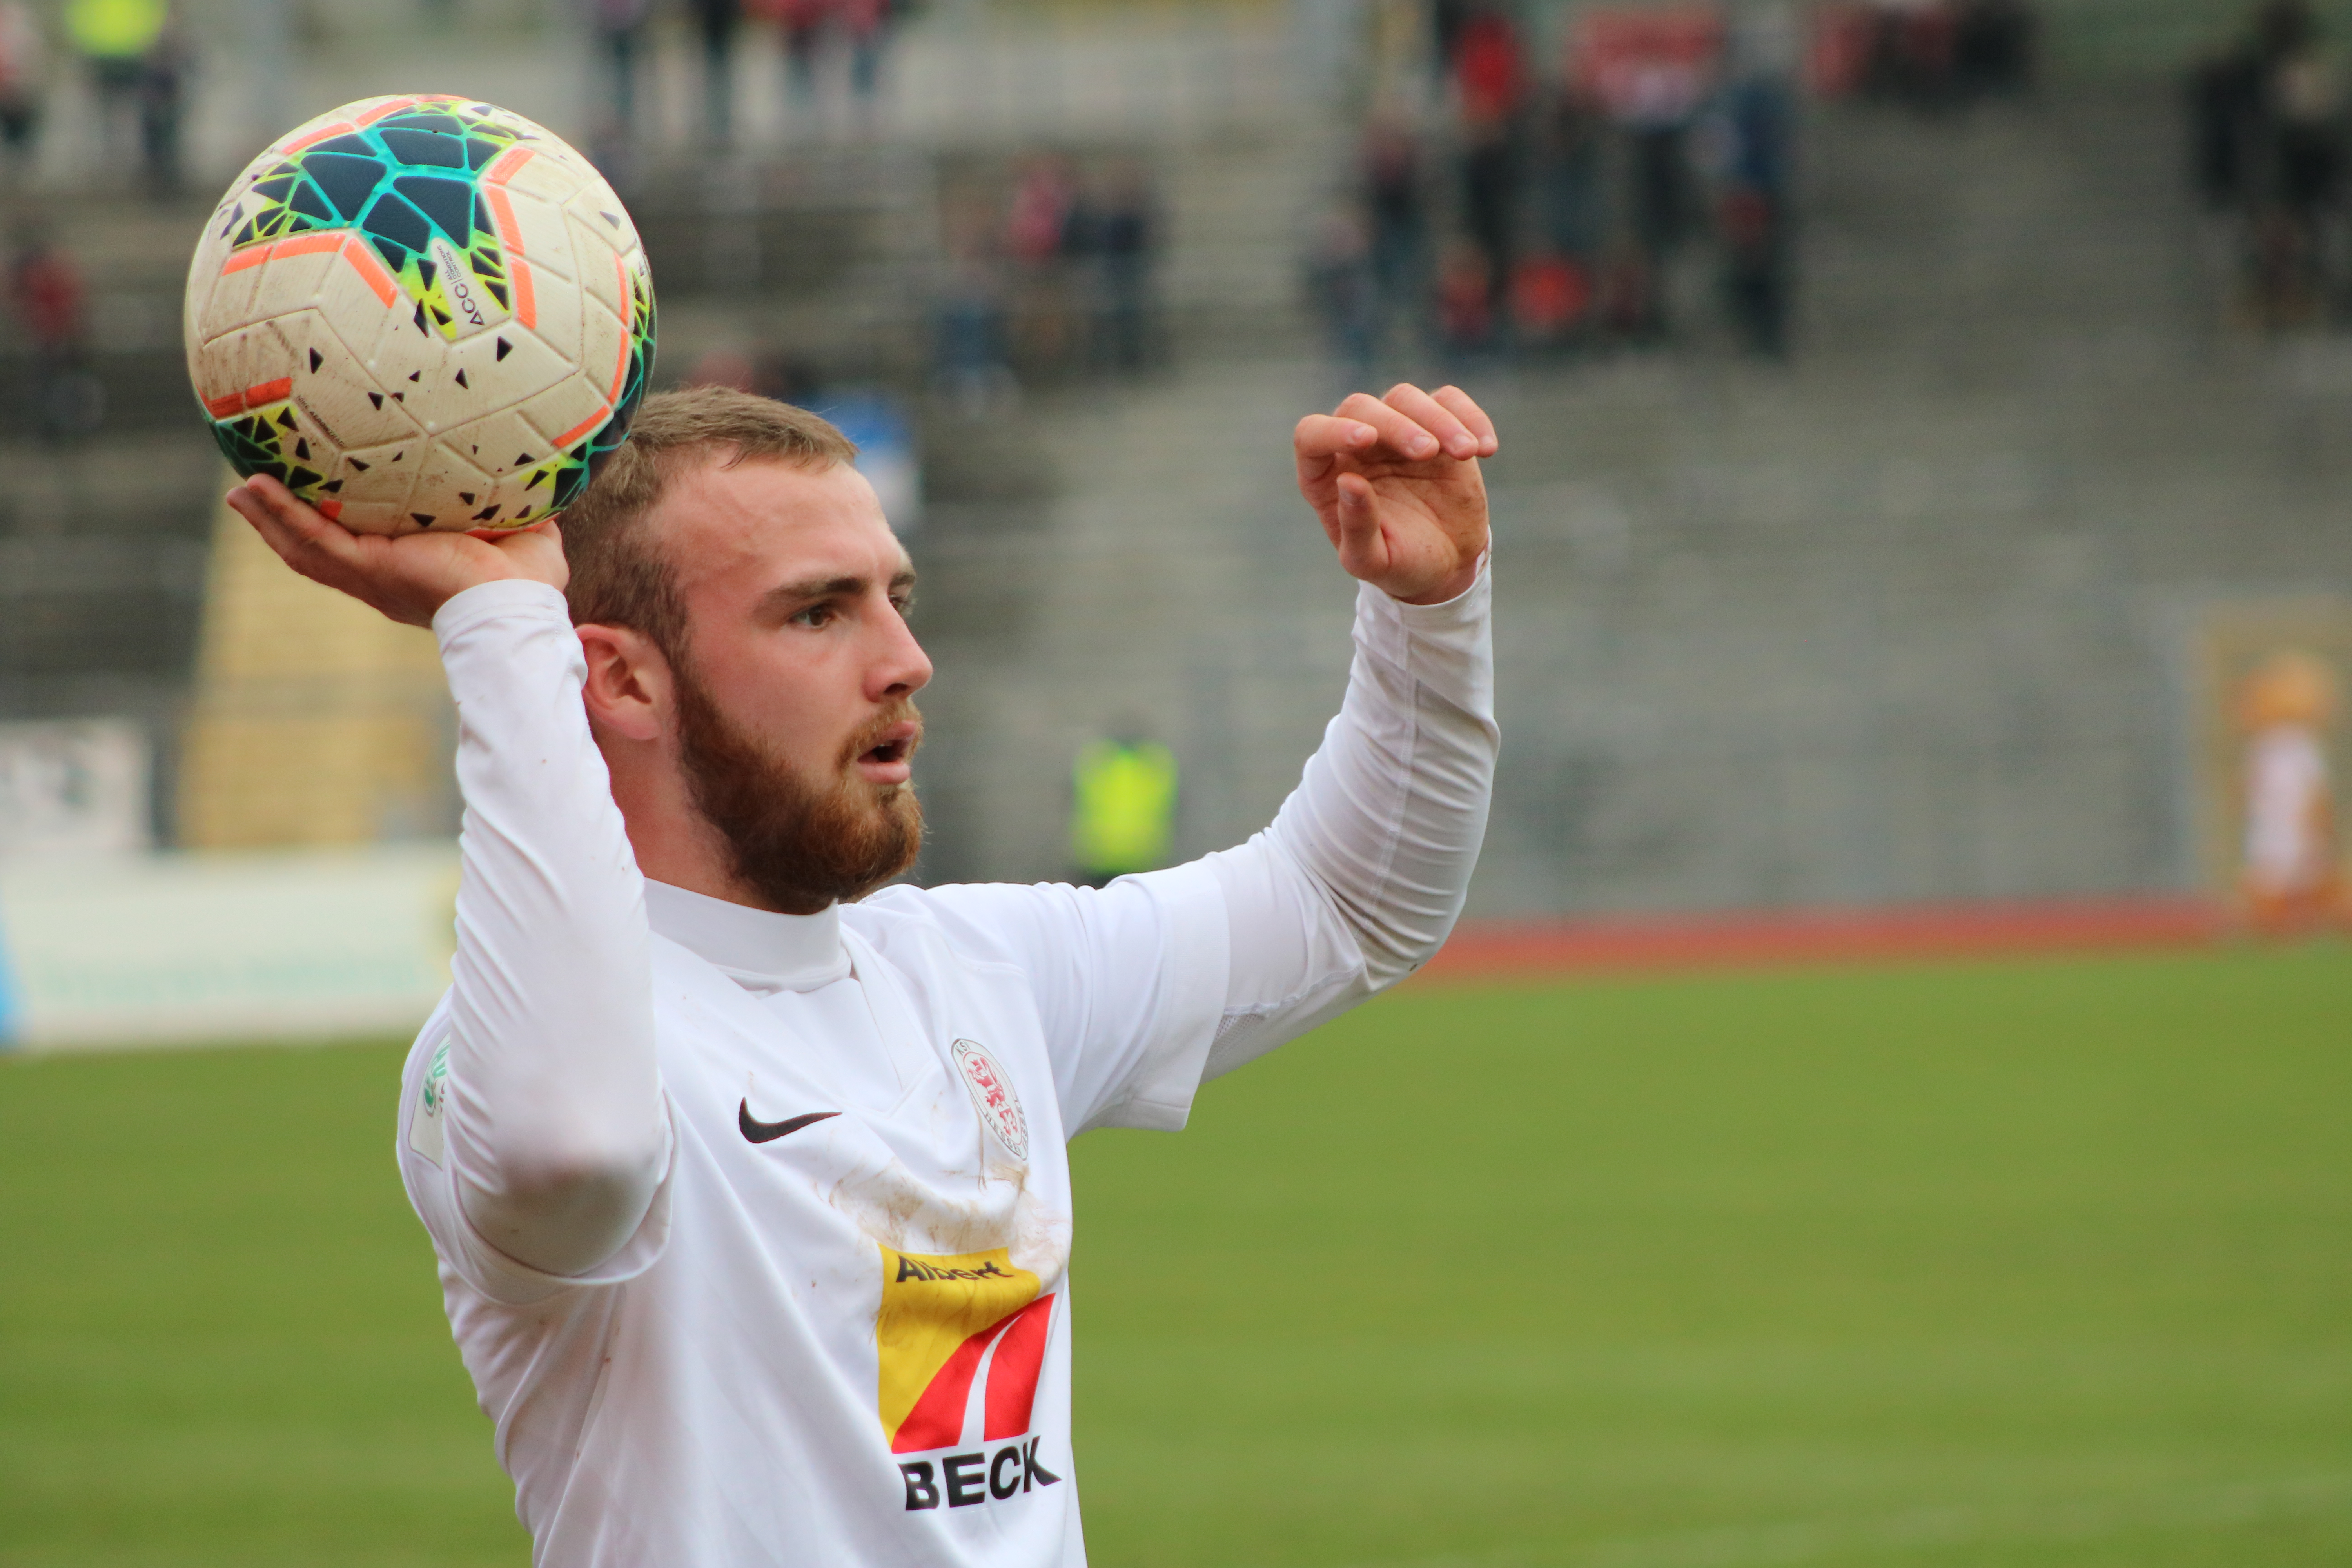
399	182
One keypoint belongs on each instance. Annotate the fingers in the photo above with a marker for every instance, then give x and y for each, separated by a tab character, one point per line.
545	528
1458	403
1419	426
1363	549
1434	416
1322	437
1399	430
307	541
506	538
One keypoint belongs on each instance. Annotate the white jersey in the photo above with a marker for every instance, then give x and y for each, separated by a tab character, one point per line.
821	1312
2287	849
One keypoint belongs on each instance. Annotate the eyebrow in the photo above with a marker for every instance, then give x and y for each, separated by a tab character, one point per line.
809	590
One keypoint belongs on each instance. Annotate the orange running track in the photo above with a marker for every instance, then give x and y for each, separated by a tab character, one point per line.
1765	938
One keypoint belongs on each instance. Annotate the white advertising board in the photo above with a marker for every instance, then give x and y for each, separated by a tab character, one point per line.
150	950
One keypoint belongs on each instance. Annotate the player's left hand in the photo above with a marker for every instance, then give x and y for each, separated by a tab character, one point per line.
1395	481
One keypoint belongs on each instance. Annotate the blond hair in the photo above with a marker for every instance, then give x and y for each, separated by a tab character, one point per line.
620	577
2290	687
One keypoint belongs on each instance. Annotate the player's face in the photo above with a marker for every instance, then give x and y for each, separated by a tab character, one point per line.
795	715
795	590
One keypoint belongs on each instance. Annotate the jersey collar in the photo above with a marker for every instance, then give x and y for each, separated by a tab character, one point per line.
760	952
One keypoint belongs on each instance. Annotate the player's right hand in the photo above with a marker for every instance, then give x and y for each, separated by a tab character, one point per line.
408	576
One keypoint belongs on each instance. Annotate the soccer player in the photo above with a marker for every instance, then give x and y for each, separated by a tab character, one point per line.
746	1171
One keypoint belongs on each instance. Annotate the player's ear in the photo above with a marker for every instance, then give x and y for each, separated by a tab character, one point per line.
629	683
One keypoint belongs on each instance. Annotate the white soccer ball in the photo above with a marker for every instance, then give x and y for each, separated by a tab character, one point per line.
421	311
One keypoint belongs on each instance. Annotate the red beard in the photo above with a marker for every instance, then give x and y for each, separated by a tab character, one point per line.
801	844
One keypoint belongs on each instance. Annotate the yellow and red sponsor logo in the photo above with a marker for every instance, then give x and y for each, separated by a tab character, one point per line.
951	1323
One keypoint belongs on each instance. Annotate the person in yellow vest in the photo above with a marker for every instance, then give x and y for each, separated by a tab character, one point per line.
114	35
1123	808
115	39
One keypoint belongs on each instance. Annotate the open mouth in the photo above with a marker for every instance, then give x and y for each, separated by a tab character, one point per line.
887	760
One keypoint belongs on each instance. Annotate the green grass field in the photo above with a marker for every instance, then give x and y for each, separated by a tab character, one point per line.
2029	1264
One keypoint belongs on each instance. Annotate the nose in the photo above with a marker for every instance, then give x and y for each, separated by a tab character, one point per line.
900	668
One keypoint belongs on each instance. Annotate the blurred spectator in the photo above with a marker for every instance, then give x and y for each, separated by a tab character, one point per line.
2233	100
808	27
1122	229
1651	71
1551	294
1930	54
1489	80
718	21
163	83
2225	105
1044	235
1659	199
1339	286
1576	201
620	28
1396	206
2308	109
1911	54
1993	48
1466	300
24	77
1570	199
2268	137
1554	287
866	24
1751	131
1447	18
1627	303
969	368
1755	274
1037	219
2305	169
114	39
45	288
1490	193
1487	69
799	25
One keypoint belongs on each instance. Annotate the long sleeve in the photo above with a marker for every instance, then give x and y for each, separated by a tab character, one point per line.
1362	873
556	1133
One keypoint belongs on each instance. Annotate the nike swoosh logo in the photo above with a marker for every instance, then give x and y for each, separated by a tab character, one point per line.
760	1132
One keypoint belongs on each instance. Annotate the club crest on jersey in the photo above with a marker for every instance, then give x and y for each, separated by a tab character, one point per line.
992	1092
428	1129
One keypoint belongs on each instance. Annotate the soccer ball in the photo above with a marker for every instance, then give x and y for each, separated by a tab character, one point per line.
418	312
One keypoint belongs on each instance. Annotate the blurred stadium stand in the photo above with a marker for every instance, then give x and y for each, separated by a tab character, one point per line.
1905	620
103	542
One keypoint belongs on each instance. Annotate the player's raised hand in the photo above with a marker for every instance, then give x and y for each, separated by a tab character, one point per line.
408	577
1395	481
